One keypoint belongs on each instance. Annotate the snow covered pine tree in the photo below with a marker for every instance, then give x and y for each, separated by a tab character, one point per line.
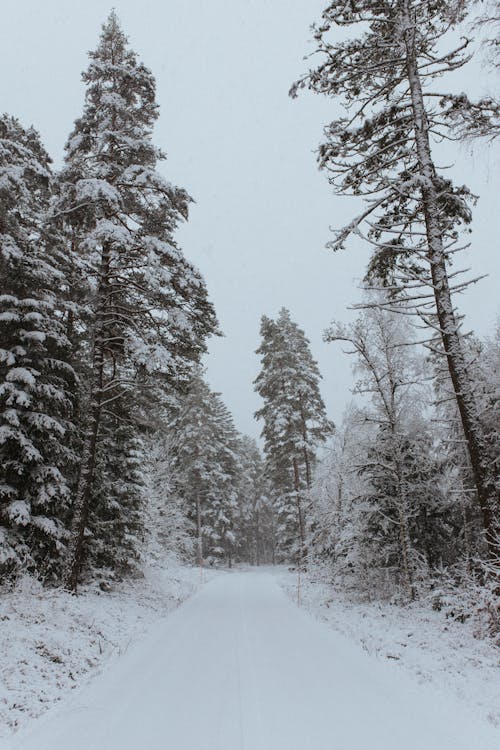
36	382
295	423
149	313
255	519
383	74
207	468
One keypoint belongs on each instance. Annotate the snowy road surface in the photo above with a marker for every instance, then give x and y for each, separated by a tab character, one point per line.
239	667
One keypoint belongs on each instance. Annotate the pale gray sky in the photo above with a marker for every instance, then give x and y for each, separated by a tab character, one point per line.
244	150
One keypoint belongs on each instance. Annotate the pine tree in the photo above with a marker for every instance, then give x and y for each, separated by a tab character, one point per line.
193	454
295	422
149	311
255	517
206	467
382	151
222	498
37	384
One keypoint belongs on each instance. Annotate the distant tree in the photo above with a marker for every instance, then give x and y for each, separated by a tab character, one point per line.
335	535
37	383
329	496
294	422
167	528
193	453
206	470
149	312
255	517
222	497
384	75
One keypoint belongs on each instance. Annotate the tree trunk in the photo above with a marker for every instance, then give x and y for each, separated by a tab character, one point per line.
257	538
467	545
404	536
82	500
484	478
307	461
198	530
300	512
83	493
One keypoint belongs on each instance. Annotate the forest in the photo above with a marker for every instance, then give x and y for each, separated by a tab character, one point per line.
115	451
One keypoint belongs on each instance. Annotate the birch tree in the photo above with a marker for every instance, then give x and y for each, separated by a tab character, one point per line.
385	74
388	374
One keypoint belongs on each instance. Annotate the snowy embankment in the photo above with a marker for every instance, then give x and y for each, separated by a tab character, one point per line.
51	641
435	649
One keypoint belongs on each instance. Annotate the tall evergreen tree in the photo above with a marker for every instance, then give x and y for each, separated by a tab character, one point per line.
36	382
383	74
149	311
294	421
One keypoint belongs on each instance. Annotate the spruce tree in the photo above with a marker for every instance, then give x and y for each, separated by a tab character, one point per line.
36	382
384	75
294	422
148	313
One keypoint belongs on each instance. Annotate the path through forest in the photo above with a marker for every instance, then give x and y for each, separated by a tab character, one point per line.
239	667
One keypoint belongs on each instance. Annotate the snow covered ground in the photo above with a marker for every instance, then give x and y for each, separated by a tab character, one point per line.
433	648
51	642
240	667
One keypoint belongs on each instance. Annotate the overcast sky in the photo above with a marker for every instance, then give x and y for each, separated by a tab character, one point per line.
244	150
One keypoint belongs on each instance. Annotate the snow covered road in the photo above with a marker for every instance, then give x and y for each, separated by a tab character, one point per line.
239	667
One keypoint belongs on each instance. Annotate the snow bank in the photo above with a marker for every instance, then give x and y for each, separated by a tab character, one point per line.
51	641
434	649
